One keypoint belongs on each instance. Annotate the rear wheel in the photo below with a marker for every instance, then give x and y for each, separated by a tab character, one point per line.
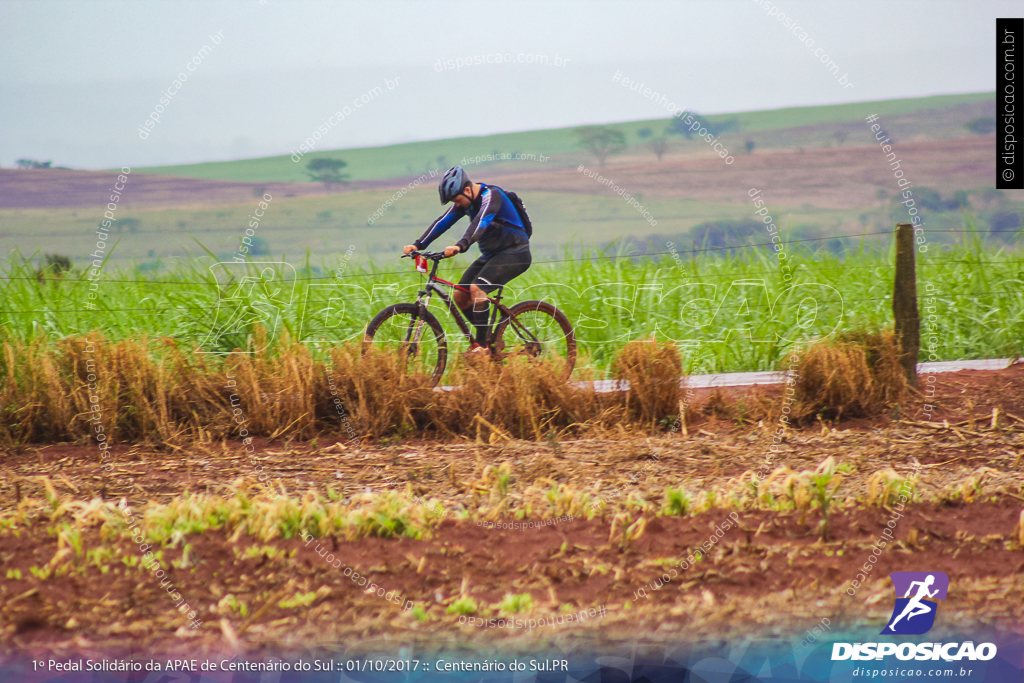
414	334
548	335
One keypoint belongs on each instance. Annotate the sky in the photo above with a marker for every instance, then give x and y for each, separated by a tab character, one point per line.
80	78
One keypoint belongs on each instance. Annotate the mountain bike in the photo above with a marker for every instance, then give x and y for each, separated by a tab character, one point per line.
534	329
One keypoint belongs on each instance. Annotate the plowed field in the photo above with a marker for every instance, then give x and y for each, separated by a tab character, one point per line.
66	582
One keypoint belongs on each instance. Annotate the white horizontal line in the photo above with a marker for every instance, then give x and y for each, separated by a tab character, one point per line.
746	379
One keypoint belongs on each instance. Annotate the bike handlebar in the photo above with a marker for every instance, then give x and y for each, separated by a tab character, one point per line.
429	255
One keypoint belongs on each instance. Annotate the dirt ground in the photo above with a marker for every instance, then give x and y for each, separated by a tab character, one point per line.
54	188
842	178
774	573
854	175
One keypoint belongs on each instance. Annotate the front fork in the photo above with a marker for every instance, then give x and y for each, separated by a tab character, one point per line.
415	331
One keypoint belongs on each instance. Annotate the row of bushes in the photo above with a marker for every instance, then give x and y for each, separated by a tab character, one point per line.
161	393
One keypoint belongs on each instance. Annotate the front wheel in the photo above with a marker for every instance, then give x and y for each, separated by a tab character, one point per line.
538	330
414	334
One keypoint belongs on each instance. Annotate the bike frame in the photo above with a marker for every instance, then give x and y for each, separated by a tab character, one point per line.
431	286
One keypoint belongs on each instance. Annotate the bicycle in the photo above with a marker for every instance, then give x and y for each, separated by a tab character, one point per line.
512	335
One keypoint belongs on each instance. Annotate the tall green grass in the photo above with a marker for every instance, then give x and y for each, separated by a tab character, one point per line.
729	311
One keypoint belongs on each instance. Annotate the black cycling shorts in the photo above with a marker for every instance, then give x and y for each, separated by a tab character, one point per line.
500	269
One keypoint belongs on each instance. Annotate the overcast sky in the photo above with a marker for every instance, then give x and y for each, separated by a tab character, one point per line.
80	77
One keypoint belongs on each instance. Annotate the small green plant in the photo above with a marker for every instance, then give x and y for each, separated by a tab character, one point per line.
97	556
41	574
514	604
299	600
884	488
825	476
229	601
503	479
623	532
186	558
14	574
69	536
271	552
462	606
677	502
419	613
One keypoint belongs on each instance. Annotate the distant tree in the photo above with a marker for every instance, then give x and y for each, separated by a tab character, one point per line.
881	194
259	191
644	133
58	263
722	127
749	145
259	247
32	163
56	266
991	195
1004	226
327	171
131	223
986	125
441	161
601	141
931	200
840	136
677	126
659	146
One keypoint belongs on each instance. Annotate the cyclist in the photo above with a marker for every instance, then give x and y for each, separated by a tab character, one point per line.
504	245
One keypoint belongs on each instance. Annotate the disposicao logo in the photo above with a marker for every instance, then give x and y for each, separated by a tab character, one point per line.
915	614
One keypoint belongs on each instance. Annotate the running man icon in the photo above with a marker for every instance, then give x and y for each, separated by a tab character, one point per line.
922	604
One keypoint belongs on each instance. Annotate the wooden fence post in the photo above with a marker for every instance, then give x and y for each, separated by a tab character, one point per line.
904	302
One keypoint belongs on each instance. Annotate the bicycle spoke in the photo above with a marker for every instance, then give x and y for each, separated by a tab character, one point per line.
405	335
542	338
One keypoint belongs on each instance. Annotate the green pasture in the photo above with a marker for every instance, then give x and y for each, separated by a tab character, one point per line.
737	308
329	224
414	158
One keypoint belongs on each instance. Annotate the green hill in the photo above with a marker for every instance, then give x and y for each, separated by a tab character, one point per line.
413	158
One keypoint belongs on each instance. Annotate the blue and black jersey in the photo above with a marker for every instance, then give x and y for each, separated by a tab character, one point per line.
494	223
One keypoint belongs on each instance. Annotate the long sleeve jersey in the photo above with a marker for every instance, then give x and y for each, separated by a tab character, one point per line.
494	223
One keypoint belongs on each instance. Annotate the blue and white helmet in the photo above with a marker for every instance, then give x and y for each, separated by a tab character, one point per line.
452	184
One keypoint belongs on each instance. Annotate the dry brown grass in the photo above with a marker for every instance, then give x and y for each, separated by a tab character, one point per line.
520	399
857	374
653	371
147	391
157	393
